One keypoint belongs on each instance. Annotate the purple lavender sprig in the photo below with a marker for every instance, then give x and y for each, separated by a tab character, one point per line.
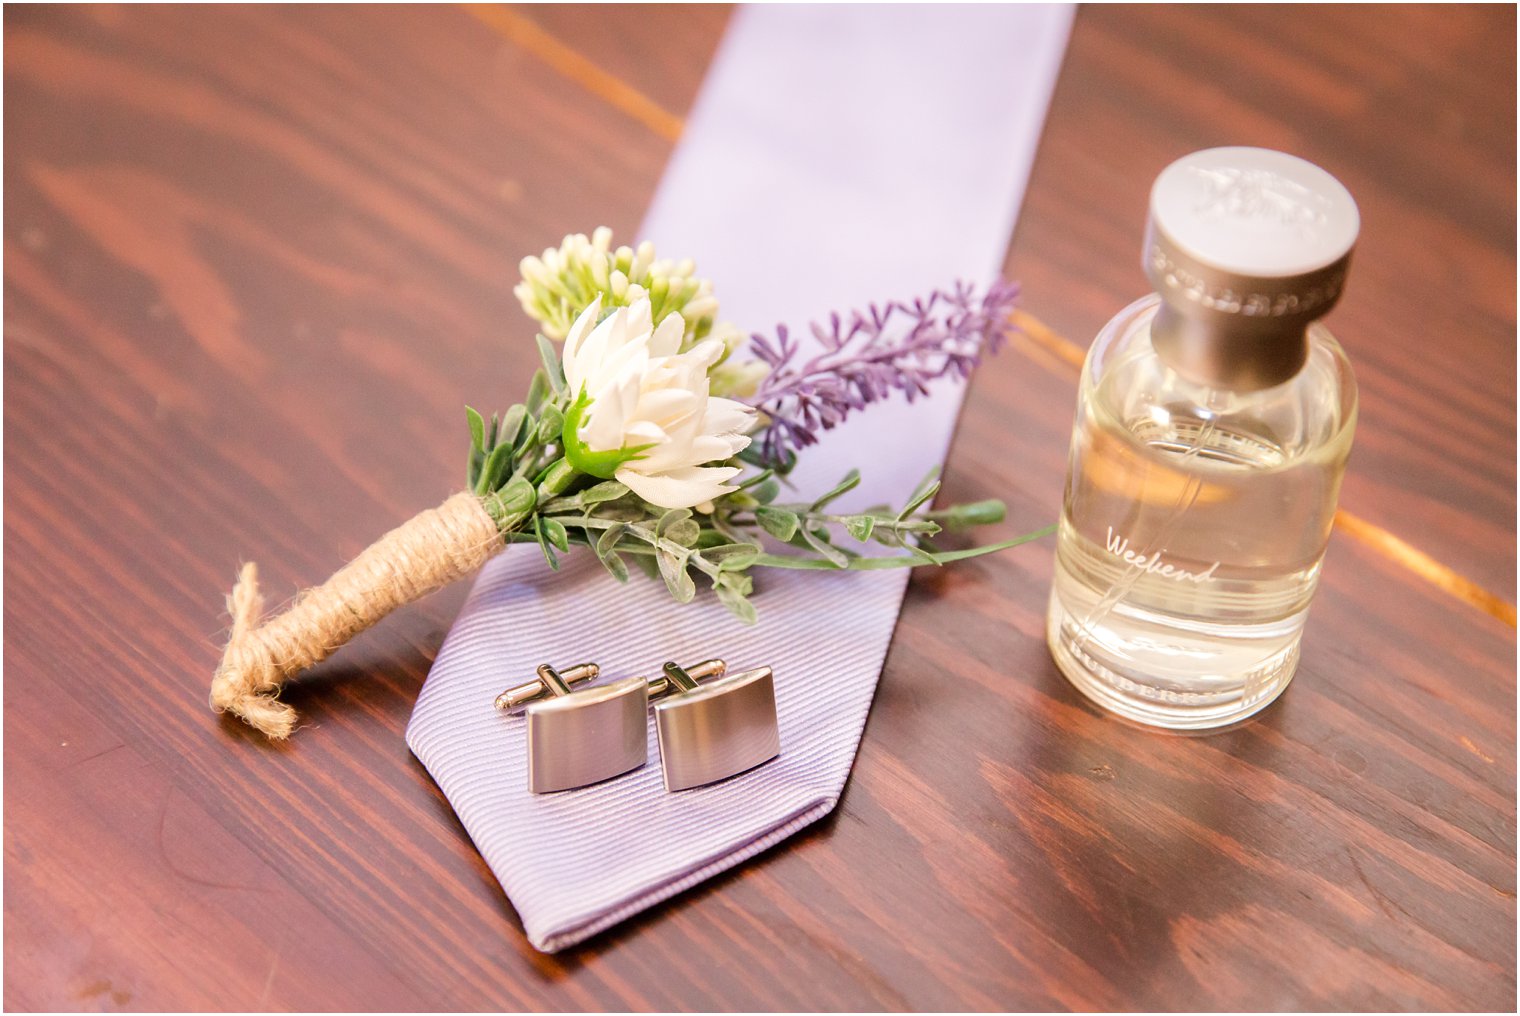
895	347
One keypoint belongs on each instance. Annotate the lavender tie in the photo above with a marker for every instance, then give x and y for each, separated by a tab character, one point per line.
836	156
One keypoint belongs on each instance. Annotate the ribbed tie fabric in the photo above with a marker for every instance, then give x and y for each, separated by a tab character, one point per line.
837	156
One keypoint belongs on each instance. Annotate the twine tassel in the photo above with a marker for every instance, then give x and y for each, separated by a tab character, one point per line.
426	553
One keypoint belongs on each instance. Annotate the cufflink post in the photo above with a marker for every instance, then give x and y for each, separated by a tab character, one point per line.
549	682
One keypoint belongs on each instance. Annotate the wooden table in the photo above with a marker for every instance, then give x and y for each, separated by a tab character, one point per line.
256	260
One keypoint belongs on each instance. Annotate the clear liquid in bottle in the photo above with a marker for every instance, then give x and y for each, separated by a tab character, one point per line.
1214	420
1193	526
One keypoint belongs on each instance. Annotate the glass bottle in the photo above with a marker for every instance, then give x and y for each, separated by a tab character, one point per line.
1214	420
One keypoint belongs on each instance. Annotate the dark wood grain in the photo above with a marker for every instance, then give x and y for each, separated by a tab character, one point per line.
256	259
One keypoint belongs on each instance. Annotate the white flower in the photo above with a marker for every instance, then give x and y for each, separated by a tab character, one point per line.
641	411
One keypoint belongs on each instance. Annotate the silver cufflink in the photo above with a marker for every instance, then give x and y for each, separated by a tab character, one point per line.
706	731
576	738
709	732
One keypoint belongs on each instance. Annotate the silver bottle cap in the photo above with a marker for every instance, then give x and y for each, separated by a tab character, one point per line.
1247	248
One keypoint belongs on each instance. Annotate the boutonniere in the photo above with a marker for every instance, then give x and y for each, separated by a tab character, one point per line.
644	438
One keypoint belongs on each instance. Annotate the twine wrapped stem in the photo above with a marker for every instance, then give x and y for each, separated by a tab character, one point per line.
430	551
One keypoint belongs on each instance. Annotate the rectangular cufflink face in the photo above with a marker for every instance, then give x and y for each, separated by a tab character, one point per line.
720	729
588	736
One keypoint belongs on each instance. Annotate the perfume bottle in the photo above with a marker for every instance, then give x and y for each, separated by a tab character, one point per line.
1214	420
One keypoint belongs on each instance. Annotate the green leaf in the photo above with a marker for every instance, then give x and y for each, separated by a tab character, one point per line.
550	423
491	434
477	429
850	482
716	534
926	489
779	522
755	456
607	490
622	511
512	504
553	370
538	392
768	491
609	539
977	513
738	604
518	495
495	468
556	479
823	548
860	526
472	473
512	425
686	532
555	531
736	582
543	542
615	565
878	563
669	519
673	571
732	556
923	554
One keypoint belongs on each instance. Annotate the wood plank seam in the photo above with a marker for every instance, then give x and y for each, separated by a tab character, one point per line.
564	59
